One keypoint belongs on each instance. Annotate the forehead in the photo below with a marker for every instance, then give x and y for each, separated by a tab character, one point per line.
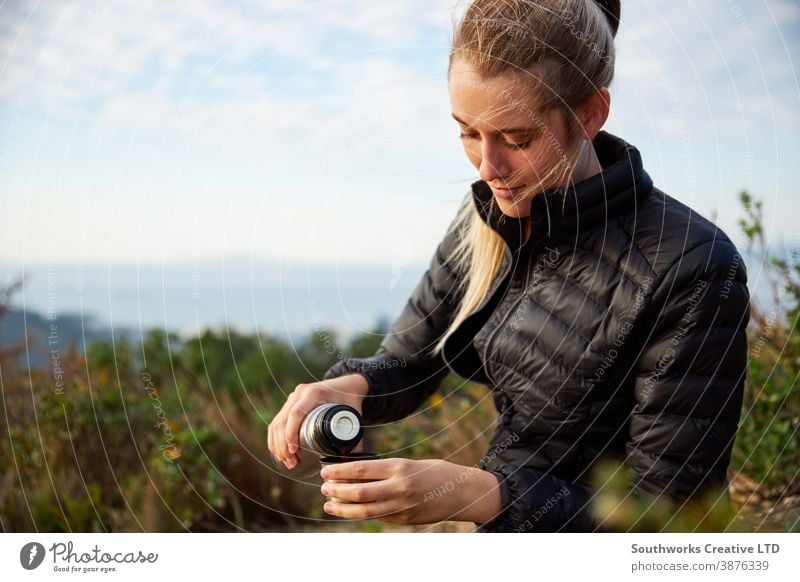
504	100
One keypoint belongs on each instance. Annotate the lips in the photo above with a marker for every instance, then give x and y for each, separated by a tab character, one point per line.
507	193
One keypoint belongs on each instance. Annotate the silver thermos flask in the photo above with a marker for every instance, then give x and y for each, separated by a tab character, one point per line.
329	429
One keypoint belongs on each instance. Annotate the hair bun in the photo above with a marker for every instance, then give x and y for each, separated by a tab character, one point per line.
611	8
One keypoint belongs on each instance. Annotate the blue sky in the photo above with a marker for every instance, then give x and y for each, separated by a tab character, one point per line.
320	131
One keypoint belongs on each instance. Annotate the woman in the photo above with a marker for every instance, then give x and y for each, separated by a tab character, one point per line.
607	317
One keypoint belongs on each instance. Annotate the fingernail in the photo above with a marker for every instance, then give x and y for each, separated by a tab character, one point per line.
328	508
292	448
325	473
290	462
325	490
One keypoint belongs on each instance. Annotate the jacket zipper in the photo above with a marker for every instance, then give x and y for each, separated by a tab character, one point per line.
502	322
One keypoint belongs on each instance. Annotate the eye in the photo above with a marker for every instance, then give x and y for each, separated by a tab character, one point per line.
467	136
519	146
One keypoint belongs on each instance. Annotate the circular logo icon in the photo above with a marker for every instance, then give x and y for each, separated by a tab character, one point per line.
31	555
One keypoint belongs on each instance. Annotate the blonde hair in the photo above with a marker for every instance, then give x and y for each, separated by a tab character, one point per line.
563	51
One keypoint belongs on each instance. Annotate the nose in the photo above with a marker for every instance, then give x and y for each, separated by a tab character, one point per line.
493	165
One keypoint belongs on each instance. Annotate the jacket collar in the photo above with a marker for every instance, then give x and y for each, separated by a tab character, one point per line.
571	209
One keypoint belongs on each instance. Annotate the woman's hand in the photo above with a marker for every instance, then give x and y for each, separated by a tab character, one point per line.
284	431
412	492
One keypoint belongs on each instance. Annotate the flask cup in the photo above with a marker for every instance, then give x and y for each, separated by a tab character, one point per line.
329	429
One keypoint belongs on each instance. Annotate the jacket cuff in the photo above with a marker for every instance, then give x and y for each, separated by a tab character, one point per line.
533	501
496	524
374	370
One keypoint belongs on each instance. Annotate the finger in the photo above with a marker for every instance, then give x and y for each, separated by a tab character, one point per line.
361	492
273	438
292	429
372	510
374	469
270	444
282	450
283	446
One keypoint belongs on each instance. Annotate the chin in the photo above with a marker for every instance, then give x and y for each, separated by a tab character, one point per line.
514	209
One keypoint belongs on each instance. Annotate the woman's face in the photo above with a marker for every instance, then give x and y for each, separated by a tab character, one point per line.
512	146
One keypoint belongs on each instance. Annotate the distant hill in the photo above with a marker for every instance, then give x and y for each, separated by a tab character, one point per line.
20	328
284	299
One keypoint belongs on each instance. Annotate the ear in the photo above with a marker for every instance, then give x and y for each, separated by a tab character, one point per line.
594	112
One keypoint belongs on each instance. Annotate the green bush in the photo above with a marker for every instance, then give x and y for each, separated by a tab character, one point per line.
767	448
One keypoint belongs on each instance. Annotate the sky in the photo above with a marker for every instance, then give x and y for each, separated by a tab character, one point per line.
146	132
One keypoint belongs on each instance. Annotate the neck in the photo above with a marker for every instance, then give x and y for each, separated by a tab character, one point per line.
587	165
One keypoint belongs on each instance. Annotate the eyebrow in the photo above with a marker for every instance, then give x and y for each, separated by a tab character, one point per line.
501	131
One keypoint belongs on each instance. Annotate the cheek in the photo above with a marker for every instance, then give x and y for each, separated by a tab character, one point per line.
536	163
473	154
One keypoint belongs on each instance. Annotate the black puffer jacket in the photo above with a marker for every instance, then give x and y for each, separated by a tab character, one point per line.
617	329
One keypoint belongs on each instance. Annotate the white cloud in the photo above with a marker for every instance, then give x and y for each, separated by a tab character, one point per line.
253	97
64	44
712	65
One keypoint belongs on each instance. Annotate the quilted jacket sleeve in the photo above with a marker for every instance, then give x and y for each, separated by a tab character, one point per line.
401	374
535	502
689	378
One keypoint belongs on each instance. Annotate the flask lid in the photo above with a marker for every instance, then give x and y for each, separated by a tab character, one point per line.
345	425
342	427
